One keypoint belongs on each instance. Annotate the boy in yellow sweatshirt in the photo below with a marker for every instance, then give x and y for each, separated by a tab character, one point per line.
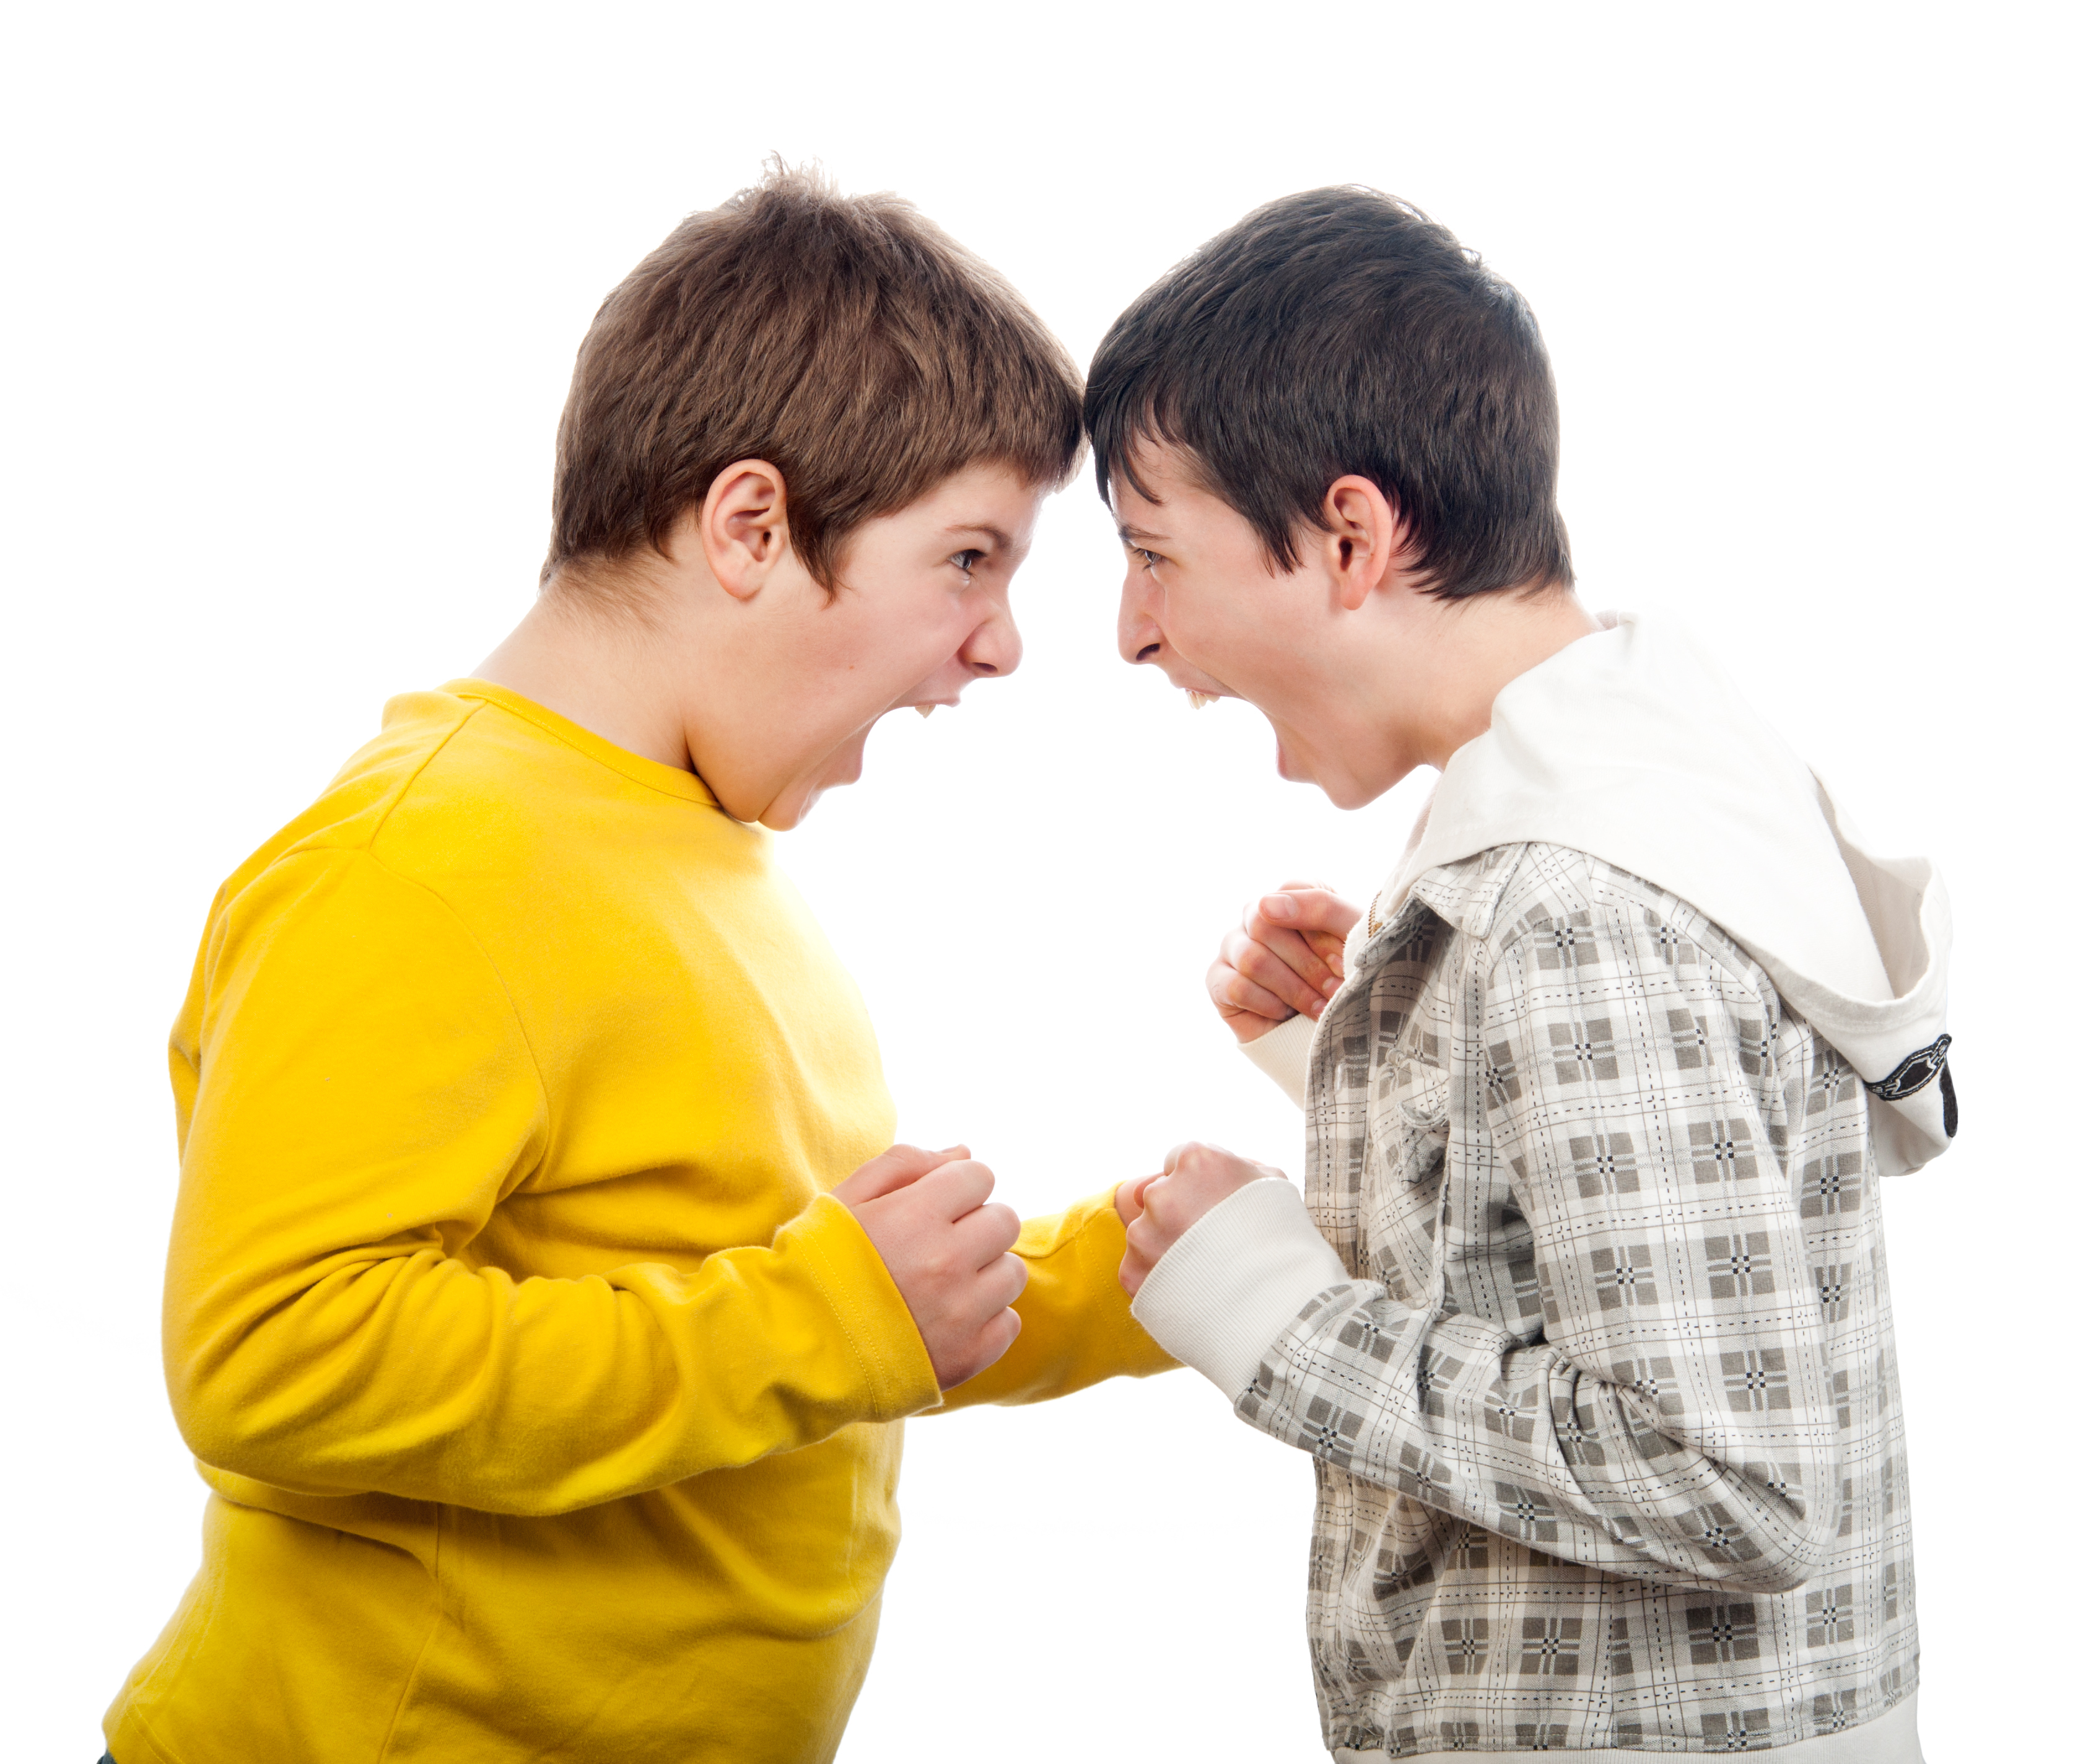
545	1295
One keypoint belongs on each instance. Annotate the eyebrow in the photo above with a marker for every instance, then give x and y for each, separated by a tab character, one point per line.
1130	535
998	537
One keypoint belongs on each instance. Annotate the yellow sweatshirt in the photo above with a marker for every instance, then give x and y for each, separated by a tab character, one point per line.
550	1407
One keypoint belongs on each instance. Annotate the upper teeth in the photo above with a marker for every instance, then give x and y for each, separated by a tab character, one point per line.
1200	701
926	711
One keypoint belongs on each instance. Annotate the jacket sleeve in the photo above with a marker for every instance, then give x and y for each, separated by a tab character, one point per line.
1075	1329
1283	1054
358	1102
1664	1410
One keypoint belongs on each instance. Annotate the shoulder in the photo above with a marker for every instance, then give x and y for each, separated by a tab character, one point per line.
447	802
1553	912
345	817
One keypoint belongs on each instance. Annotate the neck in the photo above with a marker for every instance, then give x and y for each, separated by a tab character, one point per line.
1469	651
600	667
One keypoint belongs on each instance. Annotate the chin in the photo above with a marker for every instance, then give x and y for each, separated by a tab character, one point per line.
787	812
793	805
1357	793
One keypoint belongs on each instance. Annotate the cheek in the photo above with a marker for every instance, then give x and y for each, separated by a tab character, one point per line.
889	653
1204	631
932	648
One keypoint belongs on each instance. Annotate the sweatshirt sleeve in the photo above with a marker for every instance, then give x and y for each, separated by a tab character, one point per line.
1668	1414
359	1101
1075	1325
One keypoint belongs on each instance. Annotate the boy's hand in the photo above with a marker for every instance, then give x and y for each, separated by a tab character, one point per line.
946	1251
1159	1210
1284	959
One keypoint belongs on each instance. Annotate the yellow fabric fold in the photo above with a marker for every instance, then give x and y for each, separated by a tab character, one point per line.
1075	1327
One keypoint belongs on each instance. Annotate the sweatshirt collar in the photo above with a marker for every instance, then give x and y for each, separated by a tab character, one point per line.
671	781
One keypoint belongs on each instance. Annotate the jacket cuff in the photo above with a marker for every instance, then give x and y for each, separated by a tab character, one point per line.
1223	1294
1283	1054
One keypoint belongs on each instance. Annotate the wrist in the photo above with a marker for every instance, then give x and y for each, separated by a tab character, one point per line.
1222	1295
1283	1054
873	1317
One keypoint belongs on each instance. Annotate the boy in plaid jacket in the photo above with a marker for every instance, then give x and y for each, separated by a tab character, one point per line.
1583	1314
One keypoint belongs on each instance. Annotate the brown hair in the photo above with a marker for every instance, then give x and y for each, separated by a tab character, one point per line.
1341	331
846	340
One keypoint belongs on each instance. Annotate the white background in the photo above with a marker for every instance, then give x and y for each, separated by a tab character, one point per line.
291	300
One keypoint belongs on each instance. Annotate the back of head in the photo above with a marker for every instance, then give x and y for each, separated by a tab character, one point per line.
846	340
1336	332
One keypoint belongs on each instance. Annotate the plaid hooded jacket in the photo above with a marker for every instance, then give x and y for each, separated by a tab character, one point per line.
1597	1368
1605	1413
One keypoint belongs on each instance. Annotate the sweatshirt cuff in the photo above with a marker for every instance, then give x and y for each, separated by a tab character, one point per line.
871	1311
1223	1294
1283	1054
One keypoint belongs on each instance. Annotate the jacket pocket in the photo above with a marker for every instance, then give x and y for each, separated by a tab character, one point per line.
1408	1110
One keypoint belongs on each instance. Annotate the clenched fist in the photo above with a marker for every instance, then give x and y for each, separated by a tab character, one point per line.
1159	1210
947	1251
1284	957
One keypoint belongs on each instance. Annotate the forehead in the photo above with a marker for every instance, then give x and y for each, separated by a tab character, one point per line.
986	480
1170	496
989	493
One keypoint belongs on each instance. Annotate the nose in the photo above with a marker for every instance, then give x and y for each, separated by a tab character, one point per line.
1136	632
994	646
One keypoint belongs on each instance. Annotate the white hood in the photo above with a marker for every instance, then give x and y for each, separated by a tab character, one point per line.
1632	746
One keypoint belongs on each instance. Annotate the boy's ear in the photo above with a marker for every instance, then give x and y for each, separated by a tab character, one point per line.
742	526
1364	536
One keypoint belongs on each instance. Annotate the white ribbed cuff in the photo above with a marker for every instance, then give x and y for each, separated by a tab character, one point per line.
1283	1054
1225	1290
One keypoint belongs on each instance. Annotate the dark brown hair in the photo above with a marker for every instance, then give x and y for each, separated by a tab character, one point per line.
846	340
1341	331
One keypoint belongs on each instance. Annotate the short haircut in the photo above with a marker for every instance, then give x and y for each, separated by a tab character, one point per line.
846	340
1341	331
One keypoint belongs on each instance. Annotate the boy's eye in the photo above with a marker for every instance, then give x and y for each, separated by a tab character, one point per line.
965	561
1149	560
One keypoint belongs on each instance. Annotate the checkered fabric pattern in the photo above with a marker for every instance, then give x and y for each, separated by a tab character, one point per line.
1607	1424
